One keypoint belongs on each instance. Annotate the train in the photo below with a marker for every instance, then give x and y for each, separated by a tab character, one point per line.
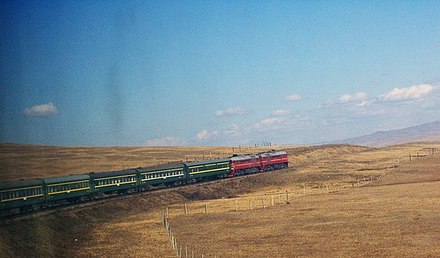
32	194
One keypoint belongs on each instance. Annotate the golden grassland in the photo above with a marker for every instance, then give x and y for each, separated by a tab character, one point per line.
36	161
396	215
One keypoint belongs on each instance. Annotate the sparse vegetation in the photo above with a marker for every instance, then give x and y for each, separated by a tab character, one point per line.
392	217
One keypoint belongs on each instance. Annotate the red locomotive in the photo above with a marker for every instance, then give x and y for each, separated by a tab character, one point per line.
248	164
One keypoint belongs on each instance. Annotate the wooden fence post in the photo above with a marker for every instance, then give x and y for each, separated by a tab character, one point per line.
186	209
206	208
287	197
236	205
272	199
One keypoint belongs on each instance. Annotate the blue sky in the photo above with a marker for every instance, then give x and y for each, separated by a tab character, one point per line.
215	72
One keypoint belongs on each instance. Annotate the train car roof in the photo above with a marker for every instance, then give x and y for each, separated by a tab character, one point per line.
20	183
207	161
69	178
273	153
113	173
161	167
244	157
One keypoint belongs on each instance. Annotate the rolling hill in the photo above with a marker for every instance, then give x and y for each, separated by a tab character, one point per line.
425	132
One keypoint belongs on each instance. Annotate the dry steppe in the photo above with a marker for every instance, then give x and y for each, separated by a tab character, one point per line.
37	161
334	210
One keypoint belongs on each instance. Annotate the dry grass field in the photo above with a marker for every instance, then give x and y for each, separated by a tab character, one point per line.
396	215
36	161
387	220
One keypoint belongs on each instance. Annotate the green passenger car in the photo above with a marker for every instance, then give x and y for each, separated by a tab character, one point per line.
164	174
21	193
113	181
65	187
215	168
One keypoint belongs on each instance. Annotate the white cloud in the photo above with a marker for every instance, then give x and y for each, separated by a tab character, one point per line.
270	122
293	97
166	141
41	110
280	112
205	134
364	103
413	92
234	111
359	96
233	130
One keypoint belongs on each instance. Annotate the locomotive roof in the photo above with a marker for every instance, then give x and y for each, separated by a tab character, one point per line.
69	178
207	161
162	167
244	157
113	173
21	183
273	153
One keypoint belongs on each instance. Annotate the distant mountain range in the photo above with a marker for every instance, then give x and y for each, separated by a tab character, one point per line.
424	132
